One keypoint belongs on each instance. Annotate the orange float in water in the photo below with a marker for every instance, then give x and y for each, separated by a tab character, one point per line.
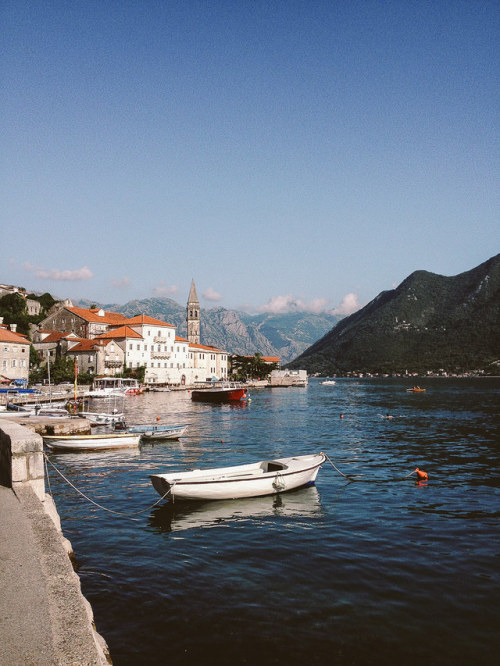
422	476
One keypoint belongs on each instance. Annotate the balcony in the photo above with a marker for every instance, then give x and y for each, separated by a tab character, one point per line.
160	354
160	339
112	364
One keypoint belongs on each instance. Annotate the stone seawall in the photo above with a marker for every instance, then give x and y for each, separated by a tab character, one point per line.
56	625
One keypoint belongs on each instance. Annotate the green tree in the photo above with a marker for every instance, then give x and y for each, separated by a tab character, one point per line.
14	311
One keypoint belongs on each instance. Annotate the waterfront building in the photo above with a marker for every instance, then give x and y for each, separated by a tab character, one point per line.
208	363
288	378
14	353
155	350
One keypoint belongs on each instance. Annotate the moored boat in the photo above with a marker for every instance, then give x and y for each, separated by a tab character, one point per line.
91	442
328	382
221	392
158	431
105	387
266	477
103	418
52	411
415	389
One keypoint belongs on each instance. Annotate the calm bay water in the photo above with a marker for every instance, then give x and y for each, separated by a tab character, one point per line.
355	573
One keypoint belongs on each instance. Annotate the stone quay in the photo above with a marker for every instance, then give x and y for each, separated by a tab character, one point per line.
44	617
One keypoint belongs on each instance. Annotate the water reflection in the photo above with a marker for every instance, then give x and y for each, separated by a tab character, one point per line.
175	516
92	459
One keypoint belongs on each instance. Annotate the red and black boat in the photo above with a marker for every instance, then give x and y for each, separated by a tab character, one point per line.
221	392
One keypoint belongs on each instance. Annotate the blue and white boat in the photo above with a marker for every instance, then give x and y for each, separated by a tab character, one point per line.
158	431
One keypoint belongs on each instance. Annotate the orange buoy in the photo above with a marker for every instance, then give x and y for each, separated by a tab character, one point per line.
422	476
157	418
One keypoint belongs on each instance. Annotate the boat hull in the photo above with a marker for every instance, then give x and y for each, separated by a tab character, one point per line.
91	442
220	395
158	432
102	417
255	480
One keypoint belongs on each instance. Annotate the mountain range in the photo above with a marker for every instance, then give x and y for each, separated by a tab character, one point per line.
282	335
429	322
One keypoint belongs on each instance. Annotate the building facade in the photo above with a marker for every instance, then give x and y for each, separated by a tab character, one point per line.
14	354
84	323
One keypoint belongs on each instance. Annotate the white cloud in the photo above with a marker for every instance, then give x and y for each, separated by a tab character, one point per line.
61	276
163	290
349	305
289	303
211	295
121	282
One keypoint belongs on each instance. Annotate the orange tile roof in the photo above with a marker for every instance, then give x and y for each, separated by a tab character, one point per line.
9	336
206	347
179	339
121	332
55	336
87	345
146	319
92	316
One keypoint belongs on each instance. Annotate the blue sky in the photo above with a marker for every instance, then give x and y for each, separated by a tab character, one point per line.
284	154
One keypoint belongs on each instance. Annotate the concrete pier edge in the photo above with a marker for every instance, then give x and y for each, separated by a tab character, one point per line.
33	530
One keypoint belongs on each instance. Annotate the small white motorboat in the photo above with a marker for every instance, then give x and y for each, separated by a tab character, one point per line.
158	431
266	477
103	418
328	382
91	442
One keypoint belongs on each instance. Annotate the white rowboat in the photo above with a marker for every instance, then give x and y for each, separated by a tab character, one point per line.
266	477
91	442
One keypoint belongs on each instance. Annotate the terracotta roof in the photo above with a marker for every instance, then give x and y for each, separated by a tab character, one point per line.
55	336
92	316
267	359
205	347
87	345
179	339
9	336
146	319
121	332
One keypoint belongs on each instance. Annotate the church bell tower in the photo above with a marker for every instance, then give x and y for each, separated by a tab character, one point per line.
193	316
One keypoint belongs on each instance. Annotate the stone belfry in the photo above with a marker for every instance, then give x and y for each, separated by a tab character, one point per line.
193	316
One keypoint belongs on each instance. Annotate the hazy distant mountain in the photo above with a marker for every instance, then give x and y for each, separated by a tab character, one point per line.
285	335
428	322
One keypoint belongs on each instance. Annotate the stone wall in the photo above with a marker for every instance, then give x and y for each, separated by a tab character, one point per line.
67	615
21	458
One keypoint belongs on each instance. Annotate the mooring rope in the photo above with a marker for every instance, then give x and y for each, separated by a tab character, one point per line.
118	513
346	476
353	477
